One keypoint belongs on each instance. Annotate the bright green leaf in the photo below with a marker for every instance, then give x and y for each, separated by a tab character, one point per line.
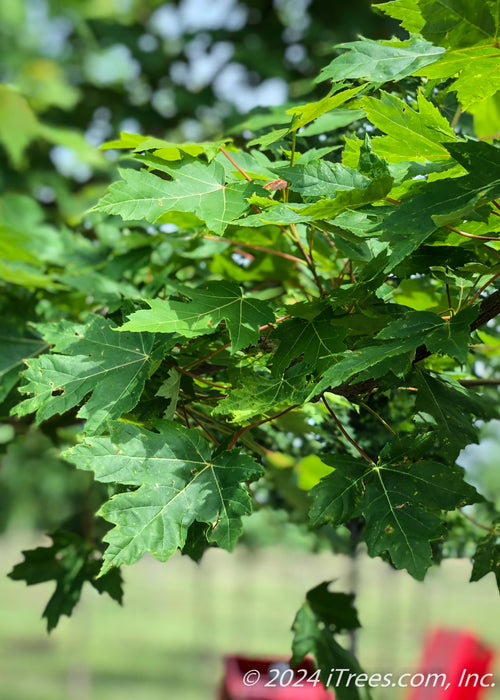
380	61
197	188
95	360
219	301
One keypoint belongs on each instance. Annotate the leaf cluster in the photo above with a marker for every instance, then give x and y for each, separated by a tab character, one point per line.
278	323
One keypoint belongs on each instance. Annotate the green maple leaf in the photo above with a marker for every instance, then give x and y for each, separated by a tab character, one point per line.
95	360
446	337
407	11
164	149
445	201
377	359
396	498
476	71
481	160
305	114
323	209
337	497
469	30
219	301
264	393
317	340
456	23
487	557
448	23
179	483
196	187
381	61
451	407
323	615
15	347
411	135
322	178
70	562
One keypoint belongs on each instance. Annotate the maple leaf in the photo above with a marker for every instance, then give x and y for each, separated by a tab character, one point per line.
219	301
381	61
70	561
317	340
263	393
179	482
487	557
15	347
411	134
95	360
397	498
323	615
196	187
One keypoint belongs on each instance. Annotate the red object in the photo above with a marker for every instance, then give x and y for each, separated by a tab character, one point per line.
270	679
465	661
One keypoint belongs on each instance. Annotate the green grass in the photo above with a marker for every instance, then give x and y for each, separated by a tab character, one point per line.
179	619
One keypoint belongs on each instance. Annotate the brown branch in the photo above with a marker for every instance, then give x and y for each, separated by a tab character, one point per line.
345	433
471	235
195	376
479	382
474	522
490	307
485	286
205	429
237	435
260	248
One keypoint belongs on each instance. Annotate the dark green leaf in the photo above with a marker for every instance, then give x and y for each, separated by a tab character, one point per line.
317	340
14	348
69	562
179	483
451	407
439	336
263	393
487	558
321	616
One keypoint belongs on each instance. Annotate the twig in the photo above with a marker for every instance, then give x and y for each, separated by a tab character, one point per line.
307	258
255	425
456	117
478	294
185	414
223	347
294	139
474	522
378	417
479	382
245	175
471	235
205	430
260	248
195	376
206	357
344	432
